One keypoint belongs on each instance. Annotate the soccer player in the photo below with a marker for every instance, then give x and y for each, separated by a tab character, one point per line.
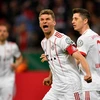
8	51
61	53
89	46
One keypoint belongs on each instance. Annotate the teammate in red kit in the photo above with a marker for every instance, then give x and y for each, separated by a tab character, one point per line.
61	53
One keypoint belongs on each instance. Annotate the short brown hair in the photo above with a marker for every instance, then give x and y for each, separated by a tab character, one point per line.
83	12
47	11
5	25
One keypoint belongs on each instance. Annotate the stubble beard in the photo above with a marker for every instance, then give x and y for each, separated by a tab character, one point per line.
48	33
3	40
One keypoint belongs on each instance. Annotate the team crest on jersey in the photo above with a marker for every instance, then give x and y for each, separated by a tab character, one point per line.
68	41
79	43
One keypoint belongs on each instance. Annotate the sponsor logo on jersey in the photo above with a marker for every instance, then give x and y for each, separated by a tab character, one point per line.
79	43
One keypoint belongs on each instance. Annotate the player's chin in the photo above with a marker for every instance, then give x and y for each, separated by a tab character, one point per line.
75	28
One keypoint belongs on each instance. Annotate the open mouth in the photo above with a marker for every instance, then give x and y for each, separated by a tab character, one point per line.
45	26
74	25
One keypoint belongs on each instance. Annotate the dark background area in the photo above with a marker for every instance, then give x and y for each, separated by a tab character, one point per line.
21	16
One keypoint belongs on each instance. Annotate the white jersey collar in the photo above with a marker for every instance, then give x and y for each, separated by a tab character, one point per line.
85	31
52	34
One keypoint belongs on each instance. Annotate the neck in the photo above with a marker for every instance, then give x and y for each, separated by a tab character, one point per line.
49	34
84	29
2	42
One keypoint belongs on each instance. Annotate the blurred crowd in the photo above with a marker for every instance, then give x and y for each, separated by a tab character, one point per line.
21	17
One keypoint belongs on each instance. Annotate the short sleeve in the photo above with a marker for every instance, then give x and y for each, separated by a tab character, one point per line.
67	45
82	45
16	51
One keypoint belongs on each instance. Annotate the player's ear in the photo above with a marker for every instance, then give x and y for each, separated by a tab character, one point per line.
39	24
54	23
85	21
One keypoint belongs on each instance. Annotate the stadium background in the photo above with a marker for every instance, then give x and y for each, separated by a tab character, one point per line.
21	17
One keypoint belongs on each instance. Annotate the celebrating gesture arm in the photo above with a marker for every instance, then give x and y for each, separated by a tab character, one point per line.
77	55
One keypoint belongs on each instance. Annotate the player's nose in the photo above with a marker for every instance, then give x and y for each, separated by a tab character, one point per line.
73	21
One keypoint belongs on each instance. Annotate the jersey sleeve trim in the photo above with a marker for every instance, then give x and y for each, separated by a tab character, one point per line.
71	49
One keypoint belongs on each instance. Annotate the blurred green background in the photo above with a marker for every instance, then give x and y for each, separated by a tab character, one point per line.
34	61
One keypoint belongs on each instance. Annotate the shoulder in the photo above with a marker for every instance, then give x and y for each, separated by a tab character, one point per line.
90	33
86	35
59	35
63	39
12	44
86	38
82	40
43	40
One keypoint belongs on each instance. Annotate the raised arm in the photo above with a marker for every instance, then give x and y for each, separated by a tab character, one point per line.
77	55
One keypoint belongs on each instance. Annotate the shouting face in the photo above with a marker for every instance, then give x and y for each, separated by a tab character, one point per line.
47	23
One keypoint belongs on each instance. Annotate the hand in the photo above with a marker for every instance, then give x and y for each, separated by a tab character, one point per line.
13	66
43	58
88	78
47	81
